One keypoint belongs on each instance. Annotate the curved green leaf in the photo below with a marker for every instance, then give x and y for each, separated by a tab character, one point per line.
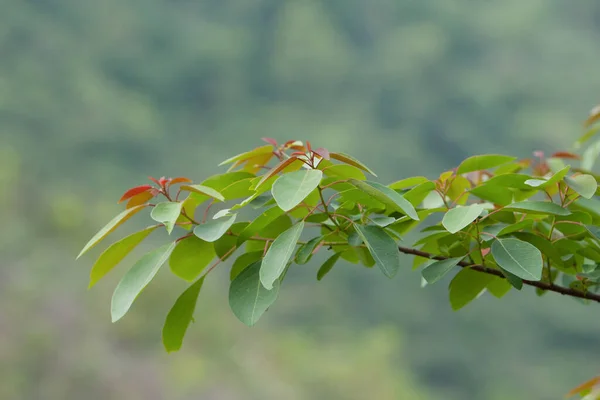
585	185
190	257
305	252
538	207
180	316
553	180
115	253
204	190
136	279
461	216
519	258
478	163
259	223
498	287
437	270
387	196
327	266
279	254
214	229
248	298
466	286
167	213
382	247
343	171
110	227
290	189
249	154
345	158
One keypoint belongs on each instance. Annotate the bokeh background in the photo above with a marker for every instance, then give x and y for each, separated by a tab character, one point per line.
97	95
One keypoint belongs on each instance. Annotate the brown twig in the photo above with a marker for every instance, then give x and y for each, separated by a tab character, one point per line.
551	287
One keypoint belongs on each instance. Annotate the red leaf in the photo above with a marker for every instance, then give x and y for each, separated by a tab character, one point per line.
566	154
134	191
308	146
163	181
584	386
323	152
154	180
180	179
485	252
270	141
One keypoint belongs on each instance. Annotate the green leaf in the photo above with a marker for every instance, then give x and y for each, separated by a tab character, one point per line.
110	227
408	182
466	286
115	253
345	158
553	180
382	247
305	252
461	216
513	280
243	261
248	298
290	189
518	257
190	257
259	223
478	163
279	254
249	154
204	190
387	196
498	287
327	266
343	171
221	181
383	221
417	194
215	229
167	213
180	316
538	207
585	185
438	269
136	279
494	193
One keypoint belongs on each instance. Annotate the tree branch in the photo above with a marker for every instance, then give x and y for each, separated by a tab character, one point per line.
551	287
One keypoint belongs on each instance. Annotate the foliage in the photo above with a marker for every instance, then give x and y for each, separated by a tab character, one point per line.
505	224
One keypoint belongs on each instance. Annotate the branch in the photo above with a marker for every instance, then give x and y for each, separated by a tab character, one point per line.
551	287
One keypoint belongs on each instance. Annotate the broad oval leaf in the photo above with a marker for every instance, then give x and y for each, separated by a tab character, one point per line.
519	258
215	229
327	266
259	223
180	316
343	171
115	253
538	207
466	286
205	190
387	196
585	185
553	180
498	287
478	163
279	254
382	247
190	257
167	213
290	189
248	298
437	270
461	216
110	227
137	278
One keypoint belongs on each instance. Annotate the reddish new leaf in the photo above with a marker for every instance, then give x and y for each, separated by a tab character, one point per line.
584	386
323	152
566	154
134	192
270	141
180	179
154	180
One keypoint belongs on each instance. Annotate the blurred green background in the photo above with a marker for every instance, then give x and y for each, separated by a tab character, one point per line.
96	96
